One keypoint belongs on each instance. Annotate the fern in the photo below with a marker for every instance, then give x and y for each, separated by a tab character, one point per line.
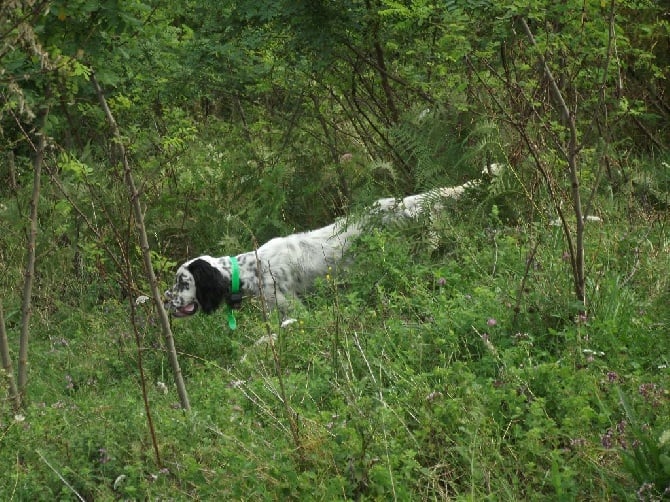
442	150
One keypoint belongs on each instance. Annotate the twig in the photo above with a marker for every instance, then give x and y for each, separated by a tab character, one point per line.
144	246
60	476
291	415
14	395
31	245
526	273
385	405
576	254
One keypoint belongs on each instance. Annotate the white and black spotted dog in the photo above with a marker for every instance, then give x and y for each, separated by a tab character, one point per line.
284	268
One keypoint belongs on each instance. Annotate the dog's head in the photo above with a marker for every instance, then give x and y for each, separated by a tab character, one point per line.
201	283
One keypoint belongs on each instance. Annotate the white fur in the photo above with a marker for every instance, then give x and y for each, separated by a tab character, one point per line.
285	267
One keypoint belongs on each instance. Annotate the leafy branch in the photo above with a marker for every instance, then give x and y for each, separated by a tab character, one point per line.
569	153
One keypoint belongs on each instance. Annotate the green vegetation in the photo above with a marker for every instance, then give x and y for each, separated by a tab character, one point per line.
509	349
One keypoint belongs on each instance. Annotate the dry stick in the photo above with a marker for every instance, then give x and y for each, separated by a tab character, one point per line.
355	104
331	144
373	24
554	196
553	191
390	75
89	224
60	476
13	185
532	148
128	277
146	254
26	302
143	380
610	54
576	258
130	284
291	415
7	363
529	262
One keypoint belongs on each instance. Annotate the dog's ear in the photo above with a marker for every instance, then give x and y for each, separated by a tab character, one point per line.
211	287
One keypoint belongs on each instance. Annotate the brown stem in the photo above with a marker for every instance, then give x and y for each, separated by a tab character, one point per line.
522	287
29	275
571	153
144	246
390	75
331	143
11	165
381	64
291	415
14	395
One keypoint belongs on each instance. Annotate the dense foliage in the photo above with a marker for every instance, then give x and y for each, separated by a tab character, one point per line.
503	351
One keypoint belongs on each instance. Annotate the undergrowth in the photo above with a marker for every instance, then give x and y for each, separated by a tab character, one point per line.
452	367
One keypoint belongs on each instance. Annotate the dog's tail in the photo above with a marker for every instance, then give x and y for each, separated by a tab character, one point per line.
457	191
413	205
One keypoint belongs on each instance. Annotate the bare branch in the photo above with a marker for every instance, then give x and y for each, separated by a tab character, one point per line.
29	274
144	245
7	363
571	153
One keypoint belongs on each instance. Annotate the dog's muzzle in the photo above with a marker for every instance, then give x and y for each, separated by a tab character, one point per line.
182	311
168	303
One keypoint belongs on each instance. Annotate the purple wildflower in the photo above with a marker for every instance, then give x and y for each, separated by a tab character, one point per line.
606	440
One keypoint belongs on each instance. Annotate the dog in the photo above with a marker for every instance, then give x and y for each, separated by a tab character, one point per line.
284	268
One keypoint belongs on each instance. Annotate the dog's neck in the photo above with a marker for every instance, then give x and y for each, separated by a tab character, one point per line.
248	271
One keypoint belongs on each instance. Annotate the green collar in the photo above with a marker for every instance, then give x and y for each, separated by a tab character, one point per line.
234	276
235	295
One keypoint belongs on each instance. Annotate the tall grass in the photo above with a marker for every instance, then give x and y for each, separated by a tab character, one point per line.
419	372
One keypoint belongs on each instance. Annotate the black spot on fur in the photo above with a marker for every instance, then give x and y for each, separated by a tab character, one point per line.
211	286
182	283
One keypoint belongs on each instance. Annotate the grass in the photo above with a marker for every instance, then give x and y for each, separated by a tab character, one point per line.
420	373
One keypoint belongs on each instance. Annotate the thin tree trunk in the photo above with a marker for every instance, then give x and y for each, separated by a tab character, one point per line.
330	141
146	254
29	275
381	63
13	186
14	396
570	154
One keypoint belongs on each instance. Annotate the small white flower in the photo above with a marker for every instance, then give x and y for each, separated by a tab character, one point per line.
141	299
19	418
162	387
271	339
